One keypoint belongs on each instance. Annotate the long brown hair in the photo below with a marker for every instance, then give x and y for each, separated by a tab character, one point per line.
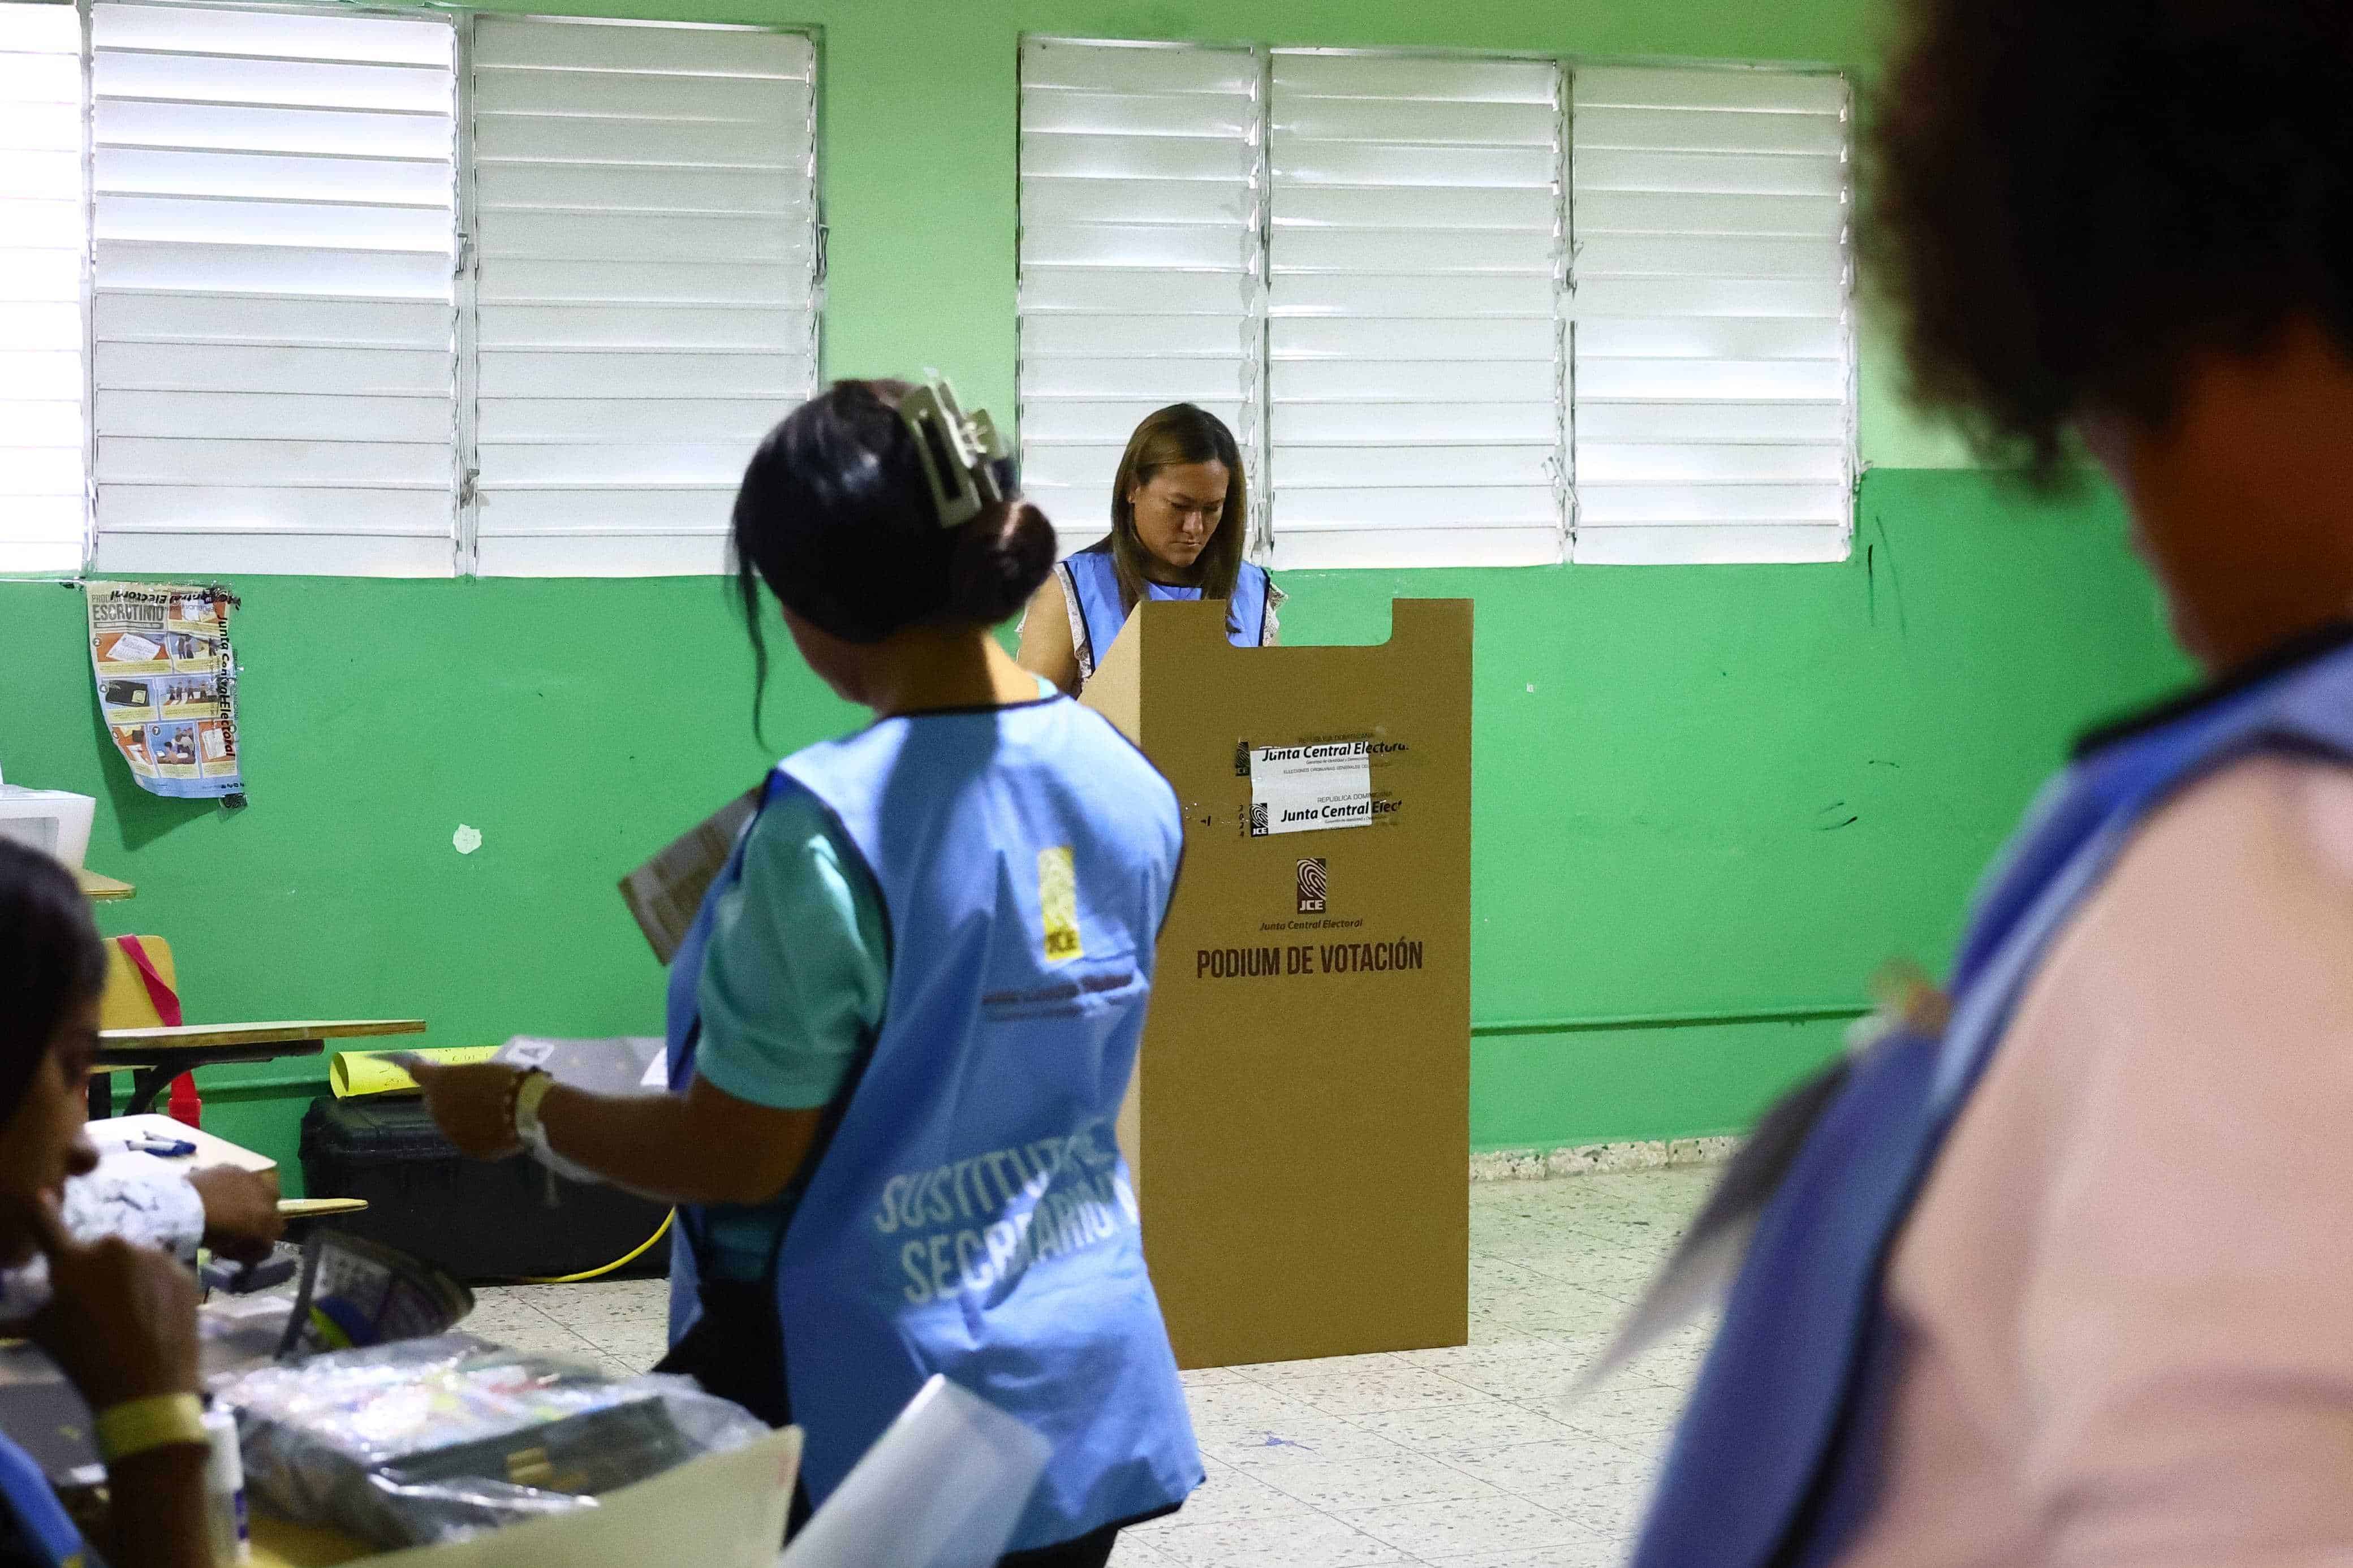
1179	434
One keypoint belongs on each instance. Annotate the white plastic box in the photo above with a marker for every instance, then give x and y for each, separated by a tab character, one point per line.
54	821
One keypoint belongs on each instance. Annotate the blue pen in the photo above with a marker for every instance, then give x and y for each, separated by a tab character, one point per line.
167	1148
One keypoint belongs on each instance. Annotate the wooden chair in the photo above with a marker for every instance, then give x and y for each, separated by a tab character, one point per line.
131	1000
141	1031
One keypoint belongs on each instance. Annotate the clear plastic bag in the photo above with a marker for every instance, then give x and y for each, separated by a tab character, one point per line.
427	1440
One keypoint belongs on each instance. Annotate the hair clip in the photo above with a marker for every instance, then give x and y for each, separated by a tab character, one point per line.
963	457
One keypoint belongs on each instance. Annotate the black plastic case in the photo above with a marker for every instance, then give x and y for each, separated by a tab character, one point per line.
478	1220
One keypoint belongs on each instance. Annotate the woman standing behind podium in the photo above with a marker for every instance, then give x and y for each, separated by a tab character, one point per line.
1178	507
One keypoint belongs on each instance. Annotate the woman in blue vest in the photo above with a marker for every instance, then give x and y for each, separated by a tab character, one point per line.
2055	1272
1179	512
121	1319
901	1026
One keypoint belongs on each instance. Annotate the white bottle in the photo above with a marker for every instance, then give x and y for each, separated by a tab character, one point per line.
225	1518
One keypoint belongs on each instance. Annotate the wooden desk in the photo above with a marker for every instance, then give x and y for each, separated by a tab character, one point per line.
110	1133
157	1056
100	890
279	1544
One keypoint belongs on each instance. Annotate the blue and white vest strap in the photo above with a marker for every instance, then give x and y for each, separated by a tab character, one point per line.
972	1215
1090	590
683	1024
41	1519
1774	1461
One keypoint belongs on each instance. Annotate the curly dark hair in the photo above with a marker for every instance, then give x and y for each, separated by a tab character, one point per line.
2069	199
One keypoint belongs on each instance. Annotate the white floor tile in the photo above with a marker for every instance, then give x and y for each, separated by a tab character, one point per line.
1242	1405
1305	1540
1428	1529
1391	1387
1554	1306
1134	1549
1613	1513
1471	1430
1637	1416
1556	1470
1313	1439
1458	1457
1531	1372
523	1329
1231	1494
1211	1376
1276	1374
1339	1485
1586	1550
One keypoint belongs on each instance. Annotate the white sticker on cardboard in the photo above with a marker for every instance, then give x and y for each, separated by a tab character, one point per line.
1310	788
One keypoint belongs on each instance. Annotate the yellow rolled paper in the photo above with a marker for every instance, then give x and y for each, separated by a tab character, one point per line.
355	1073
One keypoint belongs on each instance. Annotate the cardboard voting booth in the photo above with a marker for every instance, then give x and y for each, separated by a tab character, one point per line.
1299	1122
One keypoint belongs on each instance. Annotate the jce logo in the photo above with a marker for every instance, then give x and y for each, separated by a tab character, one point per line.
1311	887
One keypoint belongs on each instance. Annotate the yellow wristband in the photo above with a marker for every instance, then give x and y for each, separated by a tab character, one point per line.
138	1424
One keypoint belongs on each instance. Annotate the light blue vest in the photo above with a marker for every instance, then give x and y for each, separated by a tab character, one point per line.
1776	1460
1096	579
972	1215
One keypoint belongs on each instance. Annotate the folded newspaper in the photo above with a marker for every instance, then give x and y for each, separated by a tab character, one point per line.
666	892
356	1293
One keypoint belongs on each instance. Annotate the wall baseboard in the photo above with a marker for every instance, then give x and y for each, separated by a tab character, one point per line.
1599	1159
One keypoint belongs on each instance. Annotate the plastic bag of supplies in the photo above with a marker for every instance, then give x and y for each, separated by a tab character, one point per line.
432	1439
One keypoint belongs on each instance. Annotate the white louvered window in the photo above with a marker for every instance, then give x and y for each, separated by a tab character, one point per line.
1141	259
1475	346
645	204
275	337
43	469
1714	399
302	289
1416	361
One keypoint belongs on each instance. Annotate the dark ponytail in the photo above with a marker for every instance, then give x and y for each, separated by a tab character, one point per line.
835	515
1002	554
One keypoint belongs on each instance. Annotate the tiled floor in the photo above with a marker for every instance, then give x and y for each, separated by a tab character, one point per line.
1464	1458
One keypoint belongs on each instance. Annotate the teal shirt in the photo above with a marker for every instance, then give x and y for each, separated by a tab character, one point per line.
792	982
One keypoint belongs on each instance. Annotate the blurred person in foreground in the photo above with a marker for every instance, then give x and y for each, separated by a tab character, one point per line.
121	1321
2062	1276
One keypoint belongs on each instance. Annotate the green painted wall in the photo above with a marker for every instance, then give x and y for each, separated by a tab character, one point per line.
1706	798
1699	792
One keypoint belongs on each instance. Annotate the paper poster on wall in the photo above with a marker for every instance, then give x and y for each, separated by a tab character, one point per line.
1308	788
166	681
